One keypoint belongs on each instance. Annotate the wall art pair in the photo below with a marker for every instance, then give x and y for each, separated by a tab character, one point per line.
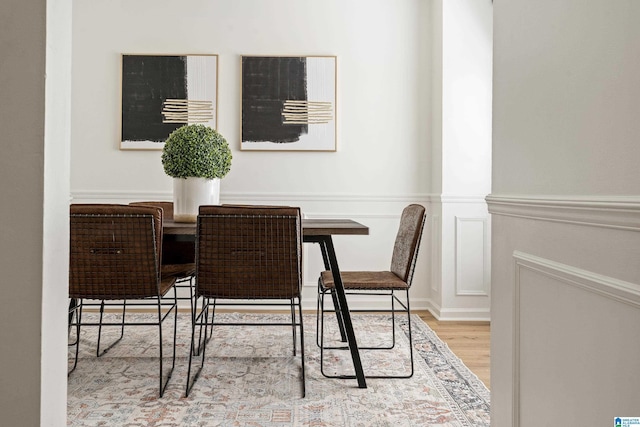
288	102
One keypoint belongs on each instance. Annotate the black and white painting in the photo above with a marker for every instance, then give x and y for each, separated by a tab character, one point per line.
160	93
289	103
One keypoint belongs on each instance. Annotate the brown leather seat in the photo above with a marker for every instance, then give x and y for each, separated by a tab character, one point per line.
365	280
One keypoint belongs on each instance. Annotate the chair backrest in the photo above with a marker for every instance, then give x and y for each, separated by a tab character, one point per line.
245	252
405	249
115	251
167	208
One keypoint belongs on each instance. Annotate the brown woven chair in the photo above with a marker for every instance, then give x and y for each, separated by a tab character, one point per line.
115	253
248	256
386	284
178	257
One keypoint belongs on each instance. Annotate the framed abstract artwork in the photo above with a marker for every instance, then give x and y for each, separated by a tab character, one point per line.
160	93
289	103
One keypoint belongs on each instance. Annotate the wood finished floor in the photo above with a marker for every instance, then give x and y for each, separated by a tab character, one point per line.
468	340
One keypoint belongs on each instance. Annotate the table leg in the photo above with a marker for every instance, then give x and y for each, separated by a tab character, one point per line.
343	308
334	297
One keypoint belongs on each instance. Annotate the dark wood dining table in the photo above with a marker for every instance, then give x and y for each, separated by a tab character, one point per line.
318	231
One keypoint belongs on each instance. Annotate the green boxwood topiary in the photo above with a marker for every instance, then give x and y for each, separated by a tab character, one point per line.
196	151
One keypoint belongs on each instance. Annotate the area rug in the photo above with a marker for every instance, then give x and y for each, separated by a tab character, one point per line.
251	378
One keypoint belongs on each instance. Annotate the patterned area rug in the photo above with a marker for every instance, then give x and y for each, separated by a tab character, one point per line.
250	378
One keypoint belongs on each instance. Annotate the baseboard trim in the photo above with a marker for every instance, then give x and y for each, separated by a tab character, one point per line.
459	314
85	196
309	306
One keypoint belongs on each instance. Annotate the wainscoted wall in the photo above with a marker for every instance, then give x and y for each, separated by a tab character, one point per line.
562	313
565	212
460	256
566	309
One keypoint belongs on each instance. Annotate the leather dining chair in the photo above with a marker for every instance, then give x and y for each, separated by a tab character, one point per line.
248	256
114	259
383	284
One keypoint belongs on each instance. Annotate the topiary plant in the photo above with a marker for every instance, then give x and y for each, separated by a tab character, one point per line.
196	151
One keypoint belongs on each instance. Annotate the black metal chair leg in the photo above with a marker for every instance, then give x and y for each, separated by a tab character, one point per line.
78	309
410	335
174	308
293	325
192	352
304	389
198	321
318	296
204	310
124	308
207	333
73	305
160	346
393	321
406	308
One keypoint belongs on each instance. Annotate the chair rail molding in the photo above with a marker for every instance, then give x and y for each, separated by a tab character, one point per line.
604	286
232	197
621	212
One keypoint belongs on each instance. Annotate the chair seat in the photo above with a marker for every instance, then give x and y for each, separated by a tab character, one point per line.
364	280
179	270
166	283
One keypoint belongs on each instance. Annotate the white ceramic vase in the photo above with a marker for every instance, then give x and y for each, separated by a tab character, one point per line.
190	193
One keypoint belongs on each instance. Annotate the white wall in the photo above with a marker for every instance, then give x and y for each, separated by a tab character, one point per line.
383	109
570	79
381	90
55	239
466	100
565	205
461	158
34	117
